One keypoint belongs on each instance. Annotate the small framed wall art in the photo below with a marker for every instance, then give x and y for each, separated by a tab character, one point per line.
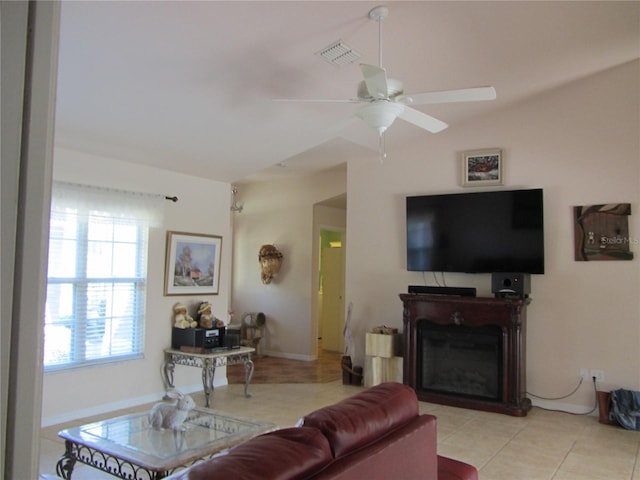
482	167
601	232
192	264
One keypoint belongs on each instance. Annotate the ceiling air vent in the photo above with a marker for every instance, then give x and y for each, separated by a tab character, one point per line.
339	54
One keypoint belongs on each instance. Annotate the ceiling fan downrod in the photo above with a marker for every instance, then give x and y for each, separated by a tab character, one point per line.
378	14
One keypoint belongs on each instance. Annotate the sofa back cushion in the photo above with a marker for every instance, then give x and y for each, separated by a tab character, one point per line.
406	453
286	454
362	418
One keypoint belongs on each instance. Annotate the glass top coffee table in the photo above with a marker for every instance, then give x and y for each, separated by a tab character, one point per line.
127	446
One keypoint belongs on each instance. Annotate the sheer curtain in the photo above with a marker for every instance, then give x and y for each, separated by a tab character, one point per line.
121	204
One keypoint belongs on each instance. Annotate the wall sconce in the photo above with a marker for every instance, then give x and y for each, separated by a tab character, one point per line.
235	206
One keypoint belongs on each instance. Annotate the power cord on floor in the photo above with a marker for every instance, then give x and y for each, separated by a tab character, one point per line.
558	398
595	406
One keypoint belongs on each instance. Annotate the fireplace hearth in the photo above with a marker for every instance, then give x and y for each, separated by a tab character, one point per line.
466	351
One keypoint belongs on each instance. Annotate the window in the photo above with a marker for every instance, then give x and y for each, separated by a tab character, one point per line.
96	281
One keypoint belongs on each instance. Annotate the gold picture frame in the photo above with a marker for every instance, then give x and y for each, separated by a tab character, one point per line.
192	264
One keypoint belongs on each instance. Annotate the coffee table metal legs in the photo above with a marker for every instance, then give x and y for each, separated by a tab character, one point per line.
111	464
64	467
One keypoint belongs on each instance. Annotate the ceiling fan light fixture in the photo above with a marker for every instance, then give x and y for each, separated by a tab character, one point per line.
380	115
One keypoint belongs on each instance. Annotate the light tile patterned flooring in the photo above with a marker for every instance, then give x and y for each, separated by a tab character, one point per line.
543	445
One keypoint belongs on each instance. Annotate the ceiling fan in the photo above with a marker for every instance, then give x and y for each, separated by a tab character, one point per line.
384	99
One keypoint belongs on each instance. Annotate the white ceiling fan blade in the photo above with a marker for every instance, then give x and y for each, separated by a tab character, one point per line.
450	96
317	100
376	80
422	120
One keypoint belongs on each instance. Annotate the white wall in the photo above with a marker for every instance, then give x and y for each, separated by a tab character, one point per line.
203	207
281	213
580	143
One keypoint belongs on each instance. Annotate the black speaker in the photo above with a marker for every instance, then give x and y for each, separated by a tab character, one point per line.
511	284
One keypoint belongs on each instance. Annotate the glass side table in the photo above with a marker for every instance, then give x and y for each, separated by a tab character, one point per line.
208	362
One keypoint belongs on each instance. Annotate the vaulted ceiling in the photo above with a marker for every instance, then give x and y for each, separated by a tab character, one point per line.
189	86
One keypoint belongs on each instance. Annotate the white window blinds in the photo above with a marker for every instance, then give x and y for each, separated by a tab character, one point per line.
96	281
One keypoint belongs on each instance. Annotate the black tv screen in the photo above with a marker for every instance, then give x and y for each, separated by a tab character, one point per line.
482	232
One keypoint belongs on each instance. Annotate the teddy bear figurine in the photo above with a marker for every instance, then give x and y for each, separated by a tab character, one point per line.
205	316
206	319
182	319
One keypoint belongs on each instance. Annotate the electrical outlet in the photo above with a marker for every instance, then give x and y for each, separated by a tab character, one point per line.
598	374
584	373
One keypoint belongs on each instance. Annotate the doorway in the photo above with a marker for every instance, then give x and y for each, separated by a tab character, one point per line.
331	305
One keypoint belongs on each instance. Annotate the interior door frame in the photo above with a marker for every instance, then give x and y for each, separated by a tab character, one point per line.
314	280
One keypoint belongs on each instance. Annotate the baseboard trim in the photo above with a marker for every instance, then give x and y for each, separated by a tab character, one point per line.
290	356
119	405
196	388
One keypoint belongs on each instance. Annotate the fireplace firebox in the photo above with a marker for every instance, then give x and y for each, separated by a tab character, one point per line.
457	360
466	351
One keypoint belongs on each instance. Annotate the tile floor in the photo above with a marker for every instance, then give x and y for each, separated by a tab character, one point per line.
542	445
281	370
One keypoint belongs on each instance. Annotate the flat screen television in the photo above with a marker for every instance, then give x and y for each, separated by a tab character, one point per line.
480	232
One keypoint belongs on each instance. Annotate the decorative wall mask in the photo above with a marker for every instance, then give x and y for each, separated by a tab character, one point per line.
270	260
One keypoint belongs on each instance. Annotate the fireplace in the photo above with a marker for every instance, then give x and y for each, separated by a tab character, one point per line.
466	351
463	361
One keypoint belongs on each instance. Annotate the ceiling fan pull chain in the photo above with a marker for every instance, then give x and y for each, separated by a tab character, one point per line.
383	147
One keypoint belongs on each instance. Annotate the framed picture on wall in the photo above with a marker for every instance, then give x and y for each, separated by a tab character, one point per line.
482	167
601	232
192	264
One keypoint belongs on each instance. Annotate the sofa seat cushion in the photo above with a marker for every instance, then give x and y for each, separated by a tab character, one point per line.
365	417
286	454
450	469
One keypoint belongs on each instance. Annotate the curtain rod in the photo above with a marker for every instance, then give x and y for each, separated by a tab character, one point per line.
173	198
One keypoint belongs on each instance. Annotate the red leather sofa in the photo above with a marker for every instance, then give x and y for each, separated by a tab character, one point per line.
377	434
